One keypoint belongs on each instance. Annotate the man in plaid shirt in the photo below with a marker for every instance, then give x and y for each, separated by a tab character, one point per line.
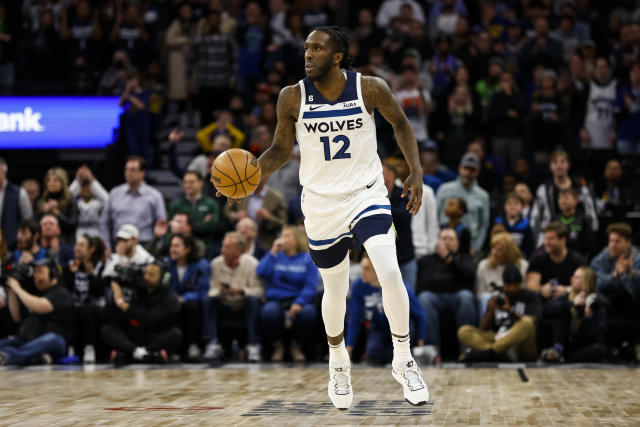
212	67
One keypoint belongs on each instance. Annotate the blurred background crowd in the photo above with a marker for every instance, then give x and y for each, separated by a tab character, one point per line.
526	114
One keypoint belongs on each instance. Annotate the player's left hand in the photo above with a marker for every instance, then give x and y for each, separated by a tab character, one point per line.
413	183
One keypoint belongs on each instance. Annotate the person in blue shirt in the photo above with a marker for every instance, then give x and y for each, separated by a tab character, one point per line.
518	226
190	281
290	281
366	302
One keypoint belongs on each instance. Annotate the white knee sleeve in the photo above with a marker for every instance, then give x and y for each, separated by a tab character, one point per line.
394	294
334	299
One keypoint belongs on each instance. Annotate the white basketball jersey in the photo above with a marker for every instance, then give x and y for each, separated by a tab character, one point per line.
600	120
338	145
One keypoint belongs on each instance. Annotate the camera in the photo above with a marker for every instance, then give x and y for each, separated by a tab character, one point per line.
20	272
131	276
499	293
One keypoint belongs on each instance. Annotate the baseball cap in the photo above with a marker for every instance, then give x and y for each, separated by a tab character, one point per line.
127	231
470	160
511	274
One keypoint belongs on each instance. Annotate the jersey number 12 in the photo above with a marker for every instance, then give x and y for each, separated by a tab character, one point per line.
342	152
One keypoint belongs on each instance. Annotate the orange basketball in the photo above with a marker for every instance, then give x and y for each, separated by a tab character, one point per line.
235	173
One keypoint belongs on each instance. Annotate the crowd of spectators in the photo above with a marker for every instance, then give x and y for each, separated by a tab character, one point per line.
526	114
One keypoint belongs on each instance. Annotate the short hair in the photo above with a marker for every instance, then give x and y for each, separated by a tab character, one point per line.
187	214
241	241
142	163
559	228
559	152
194	173
512	195
30	224
340	40
569	191
462	204
622	229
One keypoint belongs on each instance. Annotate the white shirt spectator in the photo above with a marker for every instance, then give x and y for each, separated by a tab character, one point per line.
89	212
424	225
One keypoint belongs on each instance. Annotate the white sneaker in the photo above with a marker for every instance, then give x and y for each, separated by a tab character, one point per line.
193	352
213	351
340	391
254	353
414	387
89	357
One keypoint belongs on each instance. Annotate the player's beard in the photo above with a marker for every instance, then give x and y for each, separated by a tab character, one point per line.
321	72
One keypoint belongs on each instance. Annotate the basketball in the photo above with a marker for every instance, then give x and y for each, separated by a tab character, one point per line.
235	173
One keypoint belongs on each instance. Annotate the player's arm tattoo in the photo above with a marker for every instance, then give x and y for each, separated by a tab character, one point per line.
283	140
376	94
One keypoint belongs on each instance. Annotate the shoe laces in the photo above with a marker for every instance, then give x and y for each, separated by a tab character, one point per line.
413	375
341	380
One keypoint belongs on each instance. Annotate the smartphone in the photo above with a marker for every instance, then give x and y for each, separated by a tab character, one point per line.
554	282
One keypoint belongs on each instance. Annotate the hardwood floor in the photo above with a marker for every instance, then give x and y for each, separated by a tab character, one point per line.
286	395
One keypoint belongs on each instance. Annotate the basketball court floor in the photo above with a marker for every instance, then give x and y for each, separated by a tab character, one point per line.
238	394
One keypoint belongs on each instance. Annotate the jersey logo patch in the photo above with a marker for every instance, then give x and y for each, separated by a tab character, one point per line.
315	107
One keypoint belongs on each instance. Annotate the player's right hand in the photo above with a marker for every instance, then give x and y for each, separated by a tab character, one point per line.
229	199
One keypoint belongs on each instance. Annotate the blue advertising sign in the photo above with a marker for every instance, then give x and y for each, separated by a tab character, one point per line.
58	122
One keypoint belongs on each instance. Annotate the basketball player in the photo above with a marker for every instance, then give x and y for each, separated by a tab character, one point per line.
330	114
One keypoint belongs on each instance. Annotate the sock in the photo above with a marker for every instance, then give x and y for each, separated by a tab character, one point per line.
334	299
338	354
139	353
401	349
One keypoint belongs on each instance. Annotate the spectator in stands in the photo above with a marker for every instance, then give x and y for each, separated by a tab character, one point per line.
82	279
443	67
46	330
91	197
390	9
504	251
190	275
211	67
114	79
234	288
15	206
137	125
265	206
581	237
32	187
178	37
516	224
491	176
201	163
547	121
83	34
454	209
611	192
445	284
128	251
249	229
290	280
365	304
599	129
7	70
134	203
144	330
546	207
181	223
506	110
58	201
50	239
129	34
618	270
486	87
508	327
402	220
28	243
477	200
628	109
542	49
578	322
222	125
429	162
524	192
202	210
424	225
46	65
415	102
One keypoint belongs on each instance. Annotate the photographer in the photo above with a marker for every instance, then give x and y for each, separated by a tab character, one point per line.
46	322
82	278
144	330
128	251
509	323
578	321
